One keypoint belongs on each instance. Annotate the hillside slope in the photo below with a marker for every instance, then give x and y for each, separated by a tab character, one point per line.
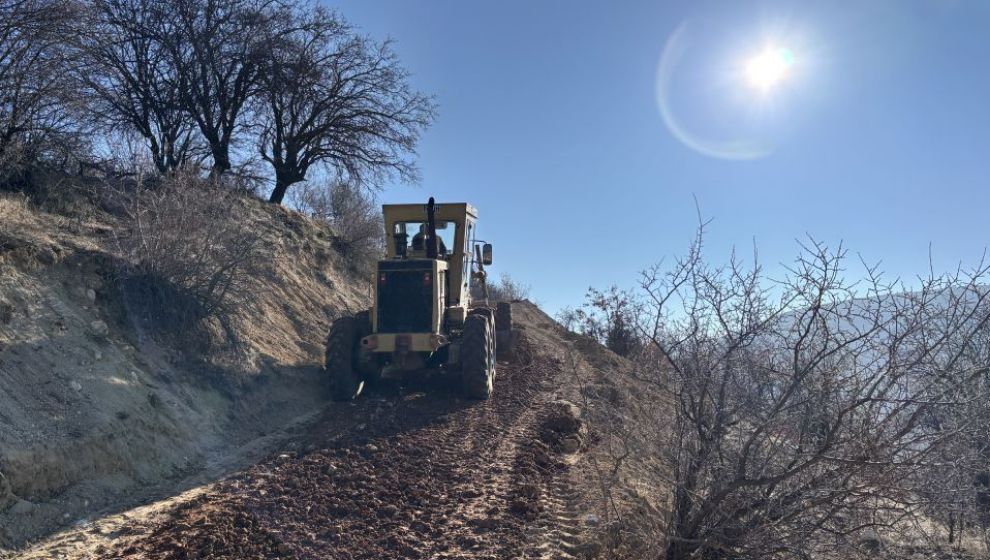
98	411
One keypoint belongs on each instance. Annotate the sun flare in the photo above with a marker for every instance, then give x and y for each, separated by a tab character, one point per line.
769	68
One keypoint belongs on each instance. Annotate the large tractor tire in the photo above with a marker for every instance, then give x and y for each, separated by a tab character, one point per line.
503	316
365	362
503	330
477	357
342	350
489	314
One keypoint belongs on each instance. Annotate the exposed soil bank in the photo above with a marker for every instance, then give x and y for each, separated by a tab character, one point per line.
100	410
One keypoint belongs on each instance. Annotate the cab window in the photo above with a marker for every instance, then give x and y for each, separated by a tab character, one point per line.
415	236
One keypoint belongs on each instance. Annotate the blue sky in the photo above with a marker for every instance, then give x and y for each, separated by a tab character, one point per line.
550	122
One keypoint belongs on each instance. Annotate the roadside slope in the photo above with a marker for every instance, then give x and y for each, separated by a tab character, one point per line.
98	411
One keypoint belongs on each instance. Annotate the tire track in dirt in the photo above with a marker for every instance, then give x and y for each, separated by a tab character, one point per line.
505	428
558	533
417	475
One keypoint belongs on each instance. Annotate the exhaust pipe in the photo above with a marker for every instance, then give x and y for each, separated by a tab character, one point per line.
432	247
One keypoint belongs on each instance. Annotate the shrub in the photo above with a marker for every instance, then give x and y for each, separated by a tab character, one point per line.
610	317
352	214
805	416
189	255
507	289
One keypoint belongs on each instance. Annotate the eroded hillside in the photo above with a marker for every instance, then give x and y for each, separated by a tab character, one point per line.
100	410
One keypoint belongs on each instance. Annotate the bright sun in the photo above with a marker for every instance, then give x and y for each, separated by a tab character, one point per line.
769	68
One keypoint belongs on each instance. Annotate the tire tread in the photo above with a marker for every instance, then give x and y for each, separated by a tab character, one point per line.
341	342
476	362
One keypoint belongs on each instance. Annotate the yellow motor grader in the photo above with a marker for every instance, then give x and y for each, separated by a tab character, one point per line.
423	316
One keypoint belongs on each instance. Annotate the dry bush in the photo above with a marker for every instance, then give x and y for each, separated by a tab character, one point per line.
809	416
353	215
609	317
507	289
189	254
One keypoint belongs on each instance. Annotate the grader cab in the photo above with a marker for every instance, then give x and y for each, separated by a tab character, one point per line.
423	317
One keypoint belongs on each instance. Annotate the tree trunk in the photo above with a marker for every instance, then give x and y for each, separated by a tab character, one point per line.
285	177
279	193
682	544
221	161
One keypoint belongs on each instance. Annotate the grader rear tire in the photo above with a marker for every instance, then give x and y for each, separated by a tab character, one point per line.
503	316
503	330
489	314
342	348
477	357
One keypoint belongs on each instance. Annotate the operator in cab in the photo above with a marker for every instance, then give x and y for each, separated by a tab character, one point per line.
419	241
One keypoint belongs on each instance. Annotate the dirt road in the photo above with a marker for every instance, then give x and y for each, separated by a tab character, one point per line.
419	473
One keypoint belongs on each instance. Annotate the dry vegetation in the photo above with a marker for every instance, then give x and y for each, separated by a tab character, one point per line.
187	256
508	289
195	84
354	217
802	418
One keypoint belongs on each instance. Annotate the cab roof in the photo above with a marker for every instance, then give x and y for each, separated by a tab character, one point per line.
417	212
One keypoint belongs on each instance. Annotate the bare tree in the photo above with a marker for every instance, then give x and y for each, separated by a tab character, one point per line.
803	409
132	80
332	97
216	47
38	107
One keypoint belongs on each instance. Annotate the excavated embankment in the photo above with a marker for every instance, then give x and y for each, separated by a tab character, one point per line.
99	411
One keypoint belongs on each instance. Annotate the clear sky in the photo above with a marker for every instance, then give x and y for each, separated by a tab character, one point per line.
583	130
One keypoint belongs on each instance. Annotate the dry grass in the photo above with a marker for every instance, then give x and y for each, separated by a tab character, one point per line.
352	213
30	237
